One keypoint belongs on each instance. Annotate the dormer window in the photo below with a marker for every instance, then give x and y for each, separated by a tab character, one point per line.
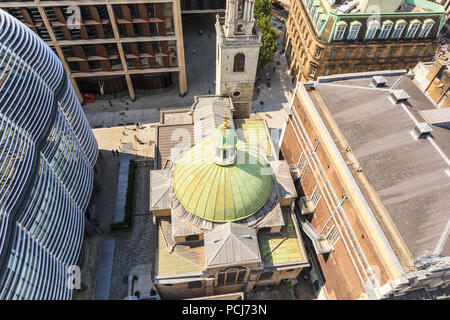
413	27
372	29
398	29
426	28
386	29
340	30
354	29
240	13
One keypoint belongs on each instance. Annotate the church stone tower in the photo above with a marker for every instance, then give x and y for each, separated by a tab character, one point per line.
237	50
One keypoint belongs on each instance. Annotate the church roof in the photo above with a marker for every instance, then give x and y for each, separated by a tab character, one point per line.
231	243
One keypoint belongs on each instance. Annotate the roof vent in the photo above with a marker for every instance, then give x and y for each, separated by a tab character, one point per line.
399	96
378	81
421	131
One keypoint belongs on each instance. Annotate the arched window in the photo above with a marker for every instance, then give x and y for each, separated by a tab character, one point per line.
372	28
240	13
413	27
426	28
239	62
340	30
354	29
398	29
386	29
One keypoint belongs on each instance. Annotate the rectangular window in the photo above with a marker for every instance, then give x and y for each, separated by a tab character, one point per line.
385	30
340	31
333	55
417	51
301	161
231	277
318	52
372	30
425	31
398	30
332	236
312	70
195	284
353	32
364	53
347	54
412	30
315	197
194	237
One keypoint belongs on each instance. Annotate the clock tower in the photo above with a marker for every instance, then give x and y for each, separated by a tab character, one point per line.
237	50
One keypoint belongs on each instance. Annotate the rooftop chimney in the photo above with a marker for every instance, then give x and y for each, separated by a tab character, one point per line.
378	81
399	96
421	131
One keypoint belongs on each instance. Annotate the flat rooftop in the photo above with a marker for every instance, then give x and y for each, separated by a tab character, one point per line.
409	175
171	141
254	133
173	260
282	248
407	6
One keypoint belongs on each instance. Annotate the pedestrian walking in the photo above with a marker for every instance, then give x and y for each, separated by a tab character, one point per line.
117	152
113	152
193	51
209	90
200	32
110	103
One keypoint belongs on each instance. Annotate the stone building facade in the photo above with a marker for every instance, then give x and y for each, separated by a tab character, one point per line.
111	48
220	193
324	39
237	50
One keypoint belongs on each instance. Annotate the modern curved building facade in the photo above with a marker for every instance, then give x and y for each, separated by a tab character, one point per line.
47	154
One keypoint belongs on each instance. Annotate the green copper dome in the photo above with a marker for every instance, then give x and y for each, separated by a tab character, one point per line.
218	192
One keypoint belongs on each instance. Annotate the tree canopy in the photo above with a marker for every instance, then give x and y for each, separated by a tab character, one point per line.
262	8
262	12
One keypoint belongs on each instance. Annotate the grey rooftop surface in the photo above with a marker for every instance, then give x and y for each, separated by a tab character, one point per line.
209	113
231	243
408	174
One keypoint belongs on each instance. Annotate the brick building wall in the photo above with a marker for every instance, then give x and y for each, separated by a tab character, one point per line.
349	267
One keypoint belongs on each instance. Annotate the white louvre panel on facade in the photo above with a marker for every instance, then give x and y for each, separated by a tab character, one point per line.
47	154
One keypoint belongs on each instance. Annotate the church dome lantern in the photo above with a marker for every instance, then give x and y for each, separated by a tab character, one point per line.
224	145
